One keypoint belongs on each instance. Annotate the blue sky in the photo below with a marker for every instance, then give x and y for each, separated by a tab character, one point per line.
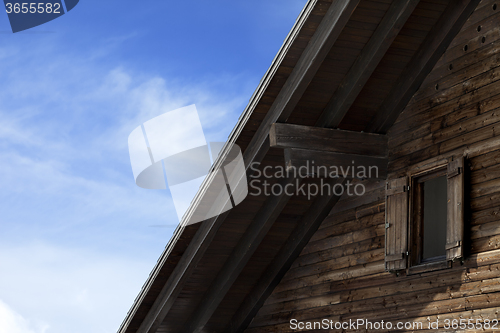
76	235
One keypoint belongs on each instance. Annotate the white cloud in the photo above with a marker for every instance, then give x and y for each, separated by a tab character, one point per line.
75	243
76	149
12	322
63	289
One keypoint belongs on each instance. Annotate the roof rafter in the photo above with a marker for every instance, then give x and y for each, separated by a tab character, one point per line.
365	64
308	64
311	59
240	255
300	236
422	63
290	136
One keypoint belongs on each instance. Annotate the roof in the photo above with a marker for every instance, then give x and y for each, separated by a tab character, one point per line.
346	64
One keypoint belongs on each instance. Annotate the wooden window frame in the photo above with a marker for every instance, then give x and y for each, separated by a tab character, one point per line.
416	264
404	217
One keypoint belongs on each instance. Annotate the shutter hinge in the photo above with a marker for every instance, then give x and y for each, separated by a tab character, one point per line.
453	245
387	225
455	172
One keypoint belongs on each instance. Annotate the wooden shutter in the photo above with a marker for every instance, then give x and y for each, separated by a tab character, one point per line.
455	224
396	226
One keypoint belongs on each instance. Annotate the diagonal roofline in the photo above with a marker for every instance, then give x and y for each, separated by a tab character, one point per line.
242	121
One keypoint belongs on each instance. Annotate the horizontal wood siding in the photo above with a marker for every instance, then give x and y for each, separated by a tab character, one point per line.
340	273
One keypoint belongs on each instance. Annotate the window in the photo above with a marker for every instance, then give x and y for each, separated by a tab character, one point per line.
434	218
424	218
428	217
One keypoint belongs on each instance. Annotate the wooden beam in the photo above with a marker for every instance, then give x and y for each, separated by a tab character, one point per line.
314	162
320	44
293	136
433	47
308	64
325	139
183	270
323	39
365	64
300	236
233	266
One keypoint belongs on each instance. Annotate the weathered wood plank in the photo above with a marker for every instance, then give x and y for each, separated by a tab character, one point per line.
184	269
459	74
485	216
420	66
328	164
347	251
367	62
334	264
478	267
339	275
485	230
324	139
371	197
455	210
445	119
284	259
239	257
341	228
361	211
444	289
430	155
396	242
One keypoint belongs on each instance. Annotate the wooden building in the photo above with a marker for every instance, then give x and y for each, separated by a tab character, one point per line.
412	86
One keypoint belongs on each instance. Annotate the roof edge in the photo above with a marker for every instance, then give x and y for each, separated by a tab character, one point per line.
242	120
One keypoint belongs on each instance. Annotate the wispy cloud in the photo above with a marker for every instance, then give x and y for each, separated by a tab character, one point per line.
74	226
61	289
13	322
65	134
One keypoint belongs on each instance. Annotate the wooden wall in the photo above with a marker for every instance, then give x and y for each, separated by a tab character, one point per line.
340	273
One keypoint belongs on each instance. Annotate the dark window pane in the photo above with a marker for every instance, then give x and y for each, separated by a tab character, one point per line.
435	207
